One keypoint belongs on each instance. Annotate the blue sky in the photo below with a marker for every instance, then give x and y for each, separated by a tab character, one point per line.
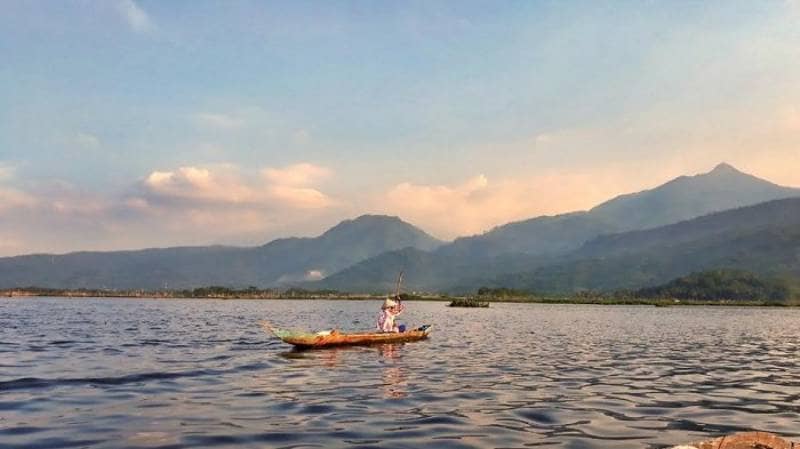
144	123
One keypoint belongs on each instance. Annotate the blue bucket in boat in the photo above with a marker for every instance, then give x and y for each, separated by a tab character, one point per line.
401	328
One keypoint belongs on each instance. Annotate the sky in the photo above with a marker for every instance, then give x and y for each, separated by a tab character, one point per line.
133	123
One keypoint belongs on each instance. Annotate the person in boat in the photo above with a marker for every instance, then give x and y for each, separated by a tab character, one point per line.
390	310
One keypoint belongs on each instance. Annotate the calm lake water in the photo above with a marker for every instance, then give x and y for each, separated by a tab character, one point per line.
128	373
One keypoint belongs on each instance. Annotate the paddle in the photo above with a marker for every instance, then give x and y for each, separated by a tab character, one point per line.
397	294
397	289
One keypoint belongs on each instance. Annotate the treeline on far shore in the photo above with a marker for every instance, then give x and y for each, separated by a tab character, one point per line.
734	287
716	287
213	292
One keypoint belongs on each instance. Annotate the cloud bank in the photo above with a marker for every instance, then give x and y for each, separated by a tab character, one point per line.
189	205
226	203
479	203
291	187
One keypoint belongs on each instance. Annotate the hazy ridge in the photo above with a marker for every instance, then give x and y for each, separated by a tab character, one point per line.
631	241
278	262
566	252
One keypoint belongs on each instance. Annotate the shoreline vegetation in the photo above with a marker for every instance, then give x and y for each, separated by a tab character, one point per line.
712	288
469	302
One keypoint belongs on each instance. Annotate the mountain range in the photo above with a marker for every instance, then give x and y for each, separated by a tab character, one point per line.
279	262
762	239
505	253
692	222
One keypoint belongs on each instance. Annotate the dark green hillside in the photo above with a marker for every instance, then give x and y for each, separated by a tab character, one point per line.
379	273
770	215
764	239
538	236
424	271
722	285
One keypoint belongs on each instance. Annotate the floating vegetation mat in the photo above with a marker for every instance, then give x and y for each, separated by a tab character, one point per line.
468	302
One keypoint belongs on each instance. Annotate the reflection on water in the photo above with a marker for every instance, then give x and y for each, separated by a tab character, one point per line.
388	355
169	374
394	378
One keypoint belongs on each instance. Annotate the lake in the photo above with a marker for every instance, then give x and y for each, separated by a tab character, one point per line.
131	373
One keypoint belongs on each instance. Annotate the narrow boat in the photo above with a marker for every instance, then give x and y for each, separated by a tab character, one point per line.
303	339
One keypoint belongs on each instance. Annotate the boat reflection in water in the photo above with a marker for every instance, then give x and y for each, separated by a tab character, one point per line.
394	377
394	380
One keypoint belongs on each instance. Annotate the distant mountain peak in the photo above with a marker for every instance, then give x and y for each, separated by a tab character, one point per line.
725	168
368	220
687	197
375	218
388	225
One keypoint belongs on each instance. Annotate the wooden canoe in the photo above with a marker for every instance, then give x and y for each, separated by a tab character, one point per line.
302	339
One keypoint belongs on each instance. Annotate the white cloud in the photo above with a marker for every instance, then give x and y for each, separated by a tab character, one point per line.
291	186
226	200
431	197
217	121
220	183
136	17
446	210
479	203
191	205
86	140
302	174
224	203
300	197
